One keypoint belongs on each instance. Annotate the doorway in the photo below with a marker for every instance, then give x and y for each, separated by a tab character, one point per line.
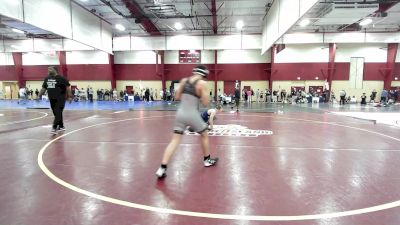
316	89
11	90
229	87
129	90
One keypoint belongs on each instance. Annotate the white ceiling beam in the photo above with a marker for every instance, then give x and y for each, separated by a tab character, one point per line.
281	17
58	16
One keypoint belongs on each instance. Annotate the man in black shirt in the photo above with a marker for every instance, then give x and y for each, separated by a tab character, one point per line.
58	89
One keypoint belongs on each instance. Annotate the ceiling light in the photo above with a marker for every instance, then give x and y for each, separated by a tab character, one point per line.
304	22
316	78
119	27
239	24
298	78
366	22
17	31
178	26
396	78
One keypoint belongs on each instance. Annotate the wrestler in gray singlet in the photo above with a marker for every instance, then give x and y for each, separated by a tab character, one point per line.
187	114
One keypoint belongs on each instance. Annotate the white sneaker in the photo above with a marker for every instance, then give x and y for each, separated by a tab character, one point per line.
53	131
161	172
210	162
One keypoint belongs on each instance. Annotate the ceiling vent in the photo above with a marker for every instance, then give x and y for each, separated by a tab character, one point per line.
340	13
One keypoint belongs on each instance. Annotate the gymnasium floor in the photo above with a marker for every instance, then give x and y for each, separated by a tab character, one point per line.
279	164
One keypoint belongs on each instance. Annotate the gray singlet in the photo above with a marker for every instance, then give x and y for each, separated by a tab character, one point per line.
187	114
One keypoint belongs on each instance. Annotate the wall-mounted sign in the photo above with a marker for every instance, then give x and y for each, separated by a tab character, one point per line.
189	56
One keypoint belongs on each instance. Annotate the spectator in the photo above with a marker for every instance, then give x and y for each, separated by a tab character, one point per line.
258	95
22	95
384	96
363	99
342	95
90	94
373	96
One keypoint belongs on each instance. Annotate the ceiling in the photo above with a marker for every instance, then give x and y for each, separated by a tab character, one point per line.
342	15
158	17
29	31
196	16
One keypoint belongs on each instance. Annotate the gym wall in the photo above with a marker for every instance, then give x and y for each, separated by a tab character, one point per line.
95	84
395	83
296	60
33	85
368	87
155	85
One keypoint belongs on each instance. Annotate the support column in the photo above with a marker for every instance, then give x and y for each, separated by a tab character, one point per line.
162	70
215	75
113	72
331	67
17	56
390	64
62	58
273	53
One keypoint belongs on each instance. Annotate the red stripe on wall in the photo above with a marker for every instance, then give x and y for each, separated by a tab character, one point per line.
136	72
342	71
306	71
374	71
179	71
89	72
228	72
38	72
7	73
253	71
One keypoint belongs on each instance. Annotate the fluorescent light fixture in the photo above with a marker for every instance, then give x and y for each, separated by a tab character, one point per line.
366	22
119	27
239	24
178	26
304	22
17	31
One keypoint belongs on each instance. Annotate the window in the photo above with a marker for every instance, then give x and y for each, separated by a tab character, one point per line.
189	56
